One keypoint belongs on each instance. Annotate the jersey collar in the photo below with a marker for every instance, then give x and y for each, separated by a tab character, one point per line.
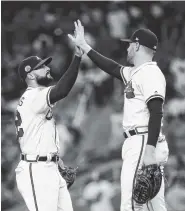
39	87
29	88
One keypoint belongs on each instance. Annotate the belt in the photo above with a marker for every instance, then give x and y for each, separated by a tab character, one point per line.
135	131
36	158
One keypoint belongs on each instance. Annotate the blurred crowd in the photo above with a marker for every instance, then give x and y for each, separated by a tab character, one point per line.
89	119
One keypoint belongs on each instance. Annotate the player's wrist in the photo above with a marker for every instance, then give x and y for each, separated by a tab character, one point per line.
85	47
78	54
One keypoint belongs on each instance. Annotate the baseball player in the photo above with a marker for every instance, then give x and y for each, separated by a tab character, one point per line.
37	175
144	95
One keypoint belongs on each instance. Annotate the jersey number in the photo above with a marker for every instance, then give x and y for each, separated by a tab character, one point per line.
18	122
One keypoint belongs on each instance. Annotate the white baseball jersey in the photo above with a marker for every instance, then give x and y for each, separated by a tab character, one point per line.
36	129
142	84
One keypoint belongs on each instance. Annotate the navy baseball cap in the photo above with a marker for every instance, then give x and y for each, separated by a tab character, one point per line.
31	63
144	37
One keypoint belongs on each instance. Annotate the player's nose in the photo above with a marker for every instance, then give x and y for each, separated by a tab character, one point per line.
47	68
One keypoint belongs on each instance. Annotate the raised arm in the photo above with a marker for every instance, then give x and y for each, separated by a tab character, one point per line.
65	84
109	66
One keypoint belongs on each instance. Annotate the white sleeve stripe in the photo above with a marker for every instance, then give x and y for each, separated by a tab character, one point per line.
154	96
47	98
121	72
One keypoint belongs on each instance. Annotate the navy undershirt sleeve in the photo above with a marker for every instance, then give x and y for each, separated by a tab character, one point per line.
108	65
65	84
154	125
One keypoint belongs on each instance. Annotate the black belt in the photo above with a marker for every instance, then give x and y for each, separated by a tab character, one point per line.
133	132
54	158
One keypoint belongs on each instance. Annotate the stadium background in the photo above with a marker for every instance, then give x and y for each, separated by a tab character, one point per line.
89	119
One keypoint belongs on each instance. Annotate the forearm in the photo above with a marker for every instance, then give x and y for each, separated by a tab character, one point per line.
65	84
154	125
108	65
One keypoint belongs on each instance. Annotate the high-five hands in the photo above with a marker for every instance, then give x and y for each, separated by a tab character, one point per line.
78	51
78	38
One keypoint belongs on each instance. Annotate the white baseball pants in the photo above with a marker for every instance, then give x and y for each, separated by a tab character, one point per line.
42	187
132	155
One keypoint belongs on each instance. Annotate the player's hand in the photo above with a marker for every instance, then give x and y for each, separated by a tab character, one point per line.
78	50
78	38
61	163
149	155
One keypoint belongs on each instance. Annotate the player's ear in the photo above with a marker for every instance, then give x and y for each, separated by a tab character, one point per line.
30	76
137	46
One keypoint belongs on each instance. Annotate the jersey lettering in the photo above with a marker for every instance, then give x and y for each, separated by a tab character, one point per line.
129	90
18	122
21	101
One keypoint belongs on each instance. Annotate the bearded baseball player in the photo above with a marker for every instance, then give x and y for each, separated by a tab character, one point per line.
37	174
145	148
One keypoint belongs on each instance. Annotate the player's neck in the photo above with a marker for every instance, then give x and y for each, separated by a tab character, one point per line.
33	84
141	59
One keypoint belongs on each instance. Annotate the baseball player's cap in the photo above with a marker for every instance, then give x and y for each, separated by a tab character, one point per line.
31	63
144	37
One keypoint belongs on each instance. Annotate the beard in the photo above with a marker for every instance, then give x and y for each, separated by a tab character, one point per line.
45	81
129	59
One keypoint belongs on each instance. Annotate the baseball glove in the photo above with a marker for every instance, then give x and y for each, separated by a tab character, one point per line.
147	183
69	174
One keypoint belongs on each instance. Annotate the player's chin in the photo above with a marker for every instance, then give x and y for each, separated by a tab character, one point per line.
45	81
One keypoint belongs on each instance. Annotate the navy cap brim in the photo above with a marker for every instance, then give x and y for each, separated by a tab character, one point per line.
44	61
126	40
